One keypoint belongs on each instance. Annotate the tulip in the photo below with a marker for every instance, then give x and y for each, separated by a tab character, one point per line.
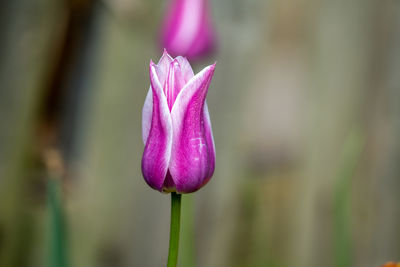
179	153
187	29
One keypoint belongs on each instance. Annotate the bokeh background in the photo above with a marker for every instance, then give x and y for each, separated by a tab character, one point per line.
305	106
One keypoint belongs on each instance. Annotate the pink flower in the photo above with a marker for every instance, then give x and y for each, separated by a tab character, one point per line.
179	153
187	29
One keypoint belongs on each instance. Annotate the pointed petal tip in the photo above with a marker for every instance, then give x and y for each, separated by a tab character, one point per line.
210	69
166	54
152	68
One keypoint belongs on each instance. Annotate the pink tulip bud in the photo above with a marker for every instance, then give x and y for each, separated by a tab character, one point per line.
187	29
179	153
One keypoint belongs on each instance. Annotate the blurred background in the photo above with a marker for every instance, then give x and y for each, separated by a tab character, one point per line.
305	106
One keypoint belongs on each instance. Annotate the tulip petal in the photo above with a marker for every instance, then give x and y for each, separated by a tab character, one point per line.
163	66
185	27
186	69
192	155
147	113
157	151
210	140
205	39
174	83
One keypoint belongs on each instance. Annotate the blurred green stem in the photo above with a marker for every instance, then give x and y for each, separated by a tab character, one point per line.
342	203
174	229
57	233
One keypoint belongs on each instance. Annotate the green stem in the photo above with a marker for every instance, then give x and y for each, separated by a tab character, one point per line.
57	246
174	229
187	250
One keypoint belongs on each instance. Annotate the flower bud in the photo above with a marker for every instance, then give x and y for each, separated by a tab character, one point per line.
179	153
187	29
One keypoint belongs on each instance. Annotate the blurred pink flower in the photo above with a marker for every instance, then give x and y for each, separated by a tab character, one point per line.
391	264
187	29
179	153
